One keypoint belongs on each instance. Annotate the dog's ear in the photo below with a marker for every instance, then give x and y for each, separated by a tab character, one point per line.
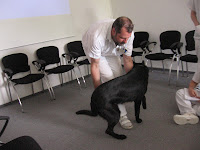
144	103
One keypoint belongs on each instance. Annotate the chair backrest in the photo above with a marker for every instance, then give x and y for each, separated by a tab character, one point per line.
49	54
190	43
139	37
167	38
76	46
17	62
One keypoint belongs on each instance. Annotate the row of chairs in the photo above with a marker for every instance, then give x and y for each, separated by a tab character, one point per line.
18	63
169	40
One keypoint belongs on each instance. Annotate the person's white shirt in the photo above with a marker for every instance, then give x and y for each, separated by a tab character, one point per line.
97	41
194	5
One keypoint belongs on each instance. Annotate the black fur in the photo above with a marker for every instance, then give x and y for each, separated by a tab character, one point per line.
127	88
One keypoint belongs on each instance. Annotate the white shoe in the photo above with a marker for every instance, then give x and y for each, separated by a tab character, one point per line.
125	122
186	119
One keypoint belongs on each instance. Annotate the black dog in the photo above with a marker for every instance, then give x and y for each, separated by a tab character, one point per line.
127	88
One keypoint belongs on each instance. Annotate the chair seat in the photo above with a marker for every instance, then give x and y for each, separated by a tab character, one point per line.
83	62
59	69
189	58
136	54
21	143
159	56
28	79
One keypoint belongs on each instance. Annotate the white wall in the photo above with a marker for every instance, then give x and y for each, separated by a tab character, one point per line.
84	12
156	16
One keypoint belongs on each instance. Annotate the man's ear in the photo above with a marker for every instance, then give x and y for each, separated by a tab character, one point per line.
113	31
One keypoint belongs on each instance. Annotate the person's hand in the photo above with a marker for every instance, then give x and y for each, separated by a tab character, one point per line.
192	92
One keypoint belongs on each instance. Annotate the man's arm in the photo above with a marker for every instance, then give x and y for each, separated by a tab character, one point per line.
191	90
194	18
128	63
95	72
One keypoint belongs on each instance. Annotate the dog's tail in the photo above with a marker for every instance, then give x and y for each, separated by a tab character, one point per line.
144	103
86	112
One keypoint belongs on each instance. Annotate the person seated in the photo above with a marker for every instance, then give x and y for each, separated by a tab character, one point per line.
188	102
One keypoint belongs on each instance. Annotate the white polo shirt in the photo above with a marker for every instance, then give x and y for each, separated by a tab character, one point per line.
97	41
194	5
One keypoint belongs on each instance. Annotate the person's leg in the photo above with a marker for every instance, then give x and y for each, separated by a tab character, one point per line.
185	106
196	107
106	73
188	114
116	67
110	68
197	48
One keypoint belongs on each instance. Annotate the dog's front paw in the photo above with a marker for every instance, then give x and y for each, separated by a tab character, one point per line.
138	120
121	137
115	135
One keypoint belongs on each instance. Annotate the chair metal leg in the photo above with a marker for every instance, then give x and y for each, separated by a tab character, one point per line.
61	79
71	76
19	100
146	62
8	84
77	79
88	69
142	57
163	66
82	76
151	66
177	74
182	68
49	87
42	84
170	70
32	88
6	118
187	69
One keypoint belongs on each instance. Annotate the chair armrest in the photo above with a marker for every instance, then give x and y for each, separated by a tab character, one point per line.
68	57
176	45
152	43
64	55
6	118
39	64
72	56
8	72
145	45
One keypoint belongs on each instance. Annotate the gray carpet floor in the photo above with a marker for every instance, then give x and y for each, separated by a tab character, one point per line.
55	126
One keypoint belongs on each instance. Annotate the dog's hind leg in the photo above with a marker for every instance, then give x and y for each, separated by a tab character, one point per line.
144	103
137	111
112	116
